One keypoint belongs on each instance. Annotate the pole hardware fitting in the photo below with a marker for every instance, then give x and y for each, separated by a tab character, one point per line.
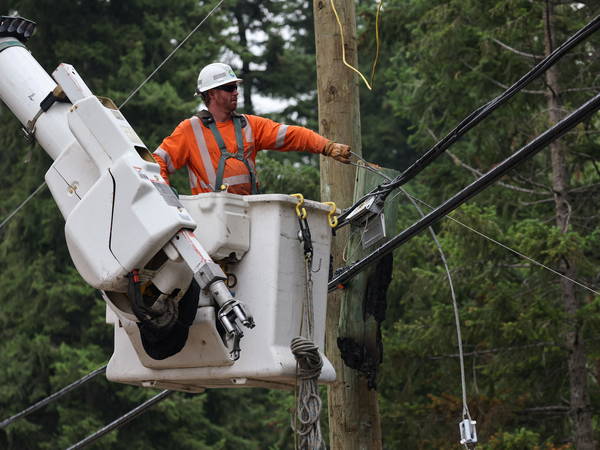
304	232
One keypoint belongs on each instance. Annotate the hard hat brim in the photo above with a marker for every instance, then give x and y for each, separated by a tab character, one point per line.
220	83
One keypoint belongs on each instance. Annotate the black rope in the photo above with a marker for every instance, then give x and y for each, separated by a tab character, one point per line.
52	397
475	117
526	152
122	420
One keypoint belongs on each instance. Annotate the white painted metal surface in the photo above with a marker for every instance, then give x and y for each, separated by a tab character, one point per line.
120	214
23	85
270	280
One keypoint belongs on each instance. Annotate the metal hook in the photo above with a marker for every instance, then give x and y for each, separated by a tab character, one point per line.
318	268
331	218
301	212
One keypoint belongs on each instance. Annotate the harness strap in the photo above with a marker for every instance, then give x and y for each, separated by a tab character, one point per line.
239	122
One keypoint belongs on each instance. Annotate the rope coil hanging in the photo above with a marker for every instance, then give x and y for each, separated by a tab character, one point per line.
306	419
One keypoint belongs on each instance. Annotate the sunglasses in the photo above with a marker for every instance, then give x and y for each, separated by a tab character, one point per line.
227	87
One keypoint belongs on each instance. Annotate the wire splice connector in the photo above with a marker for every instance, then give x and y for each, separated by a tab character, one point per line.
468	432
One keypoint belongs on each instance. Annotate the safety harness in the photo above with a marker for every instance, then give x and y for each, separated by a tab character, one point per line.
239	122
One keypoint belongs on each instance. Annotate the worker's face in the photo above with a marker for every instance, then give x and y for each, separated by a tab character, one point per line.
225	97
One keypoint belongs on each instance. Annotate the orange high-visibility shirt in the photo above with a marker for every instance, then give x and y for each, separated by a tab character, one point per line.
194	145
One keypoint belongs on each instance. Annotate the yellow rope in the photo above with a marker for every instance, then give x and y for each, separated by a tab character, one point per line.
337	17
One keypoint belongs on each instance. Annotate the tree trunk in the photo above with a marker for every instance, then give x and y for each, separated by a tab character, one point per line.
353	411
245	73
580	410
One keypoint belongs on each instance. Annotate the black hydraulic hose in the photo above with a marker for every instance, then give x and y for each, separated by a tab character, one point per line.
53	397
474	188
477	116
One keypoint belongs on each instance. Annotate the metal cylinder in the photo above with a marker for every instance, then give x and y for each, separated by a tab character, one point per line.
23	85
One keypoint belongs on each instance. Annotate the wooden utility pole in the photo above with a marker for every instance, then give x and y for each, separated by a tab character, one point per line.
353	412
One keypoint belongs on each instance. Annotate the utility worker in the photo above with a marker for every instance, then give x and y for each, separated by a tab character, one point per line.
219	145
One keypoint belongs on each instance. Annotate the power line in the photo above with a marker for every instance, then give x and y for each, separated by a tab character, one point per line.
476	117
556	131
516	252
122	420
135	91
33	194
52	397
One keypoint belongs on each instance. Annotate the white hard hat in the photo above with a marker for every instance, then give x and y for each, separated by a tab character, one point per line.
216	74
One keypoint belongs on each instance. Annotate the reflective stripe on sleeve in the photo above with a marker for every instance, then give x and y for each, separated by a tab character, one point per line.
281	136
166	158
203	149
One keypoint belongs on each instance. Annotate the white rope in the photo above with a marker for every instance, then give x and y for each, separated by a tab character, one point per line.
135	91
306	419
516	252
466	413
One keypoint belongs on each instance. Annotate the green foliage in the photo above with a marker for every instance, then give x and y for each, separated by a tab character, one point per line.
439	60
284	176
446	62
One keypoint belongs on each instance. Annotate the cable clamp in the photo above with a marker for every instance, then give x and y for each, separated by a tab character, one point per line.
57	94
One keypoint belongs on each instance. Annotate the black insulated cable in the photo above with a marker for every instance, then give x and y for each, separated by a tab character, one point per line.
343	275
122	420
53	397
476	117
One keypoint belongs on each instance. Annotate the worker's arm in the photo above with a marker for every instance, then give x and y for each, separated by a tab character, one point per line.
275	136
173	152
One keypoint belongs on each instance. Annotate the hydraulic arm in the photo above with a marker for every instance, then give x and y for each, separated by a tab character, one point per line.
121	217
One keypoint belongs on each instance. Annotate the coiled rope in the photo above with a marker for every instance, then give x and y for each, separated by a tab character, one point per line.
306	419
308	402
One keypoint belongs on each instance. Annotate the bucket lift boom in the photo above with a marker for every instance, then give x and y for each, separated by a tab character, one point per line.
120	214
131	237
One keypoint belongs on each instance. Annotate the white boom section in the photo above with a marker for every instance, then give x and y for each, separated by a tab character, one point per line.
119	212
23	85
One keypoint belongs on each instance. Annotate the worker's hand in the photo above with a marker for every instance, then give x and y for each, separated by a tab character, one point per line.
339	152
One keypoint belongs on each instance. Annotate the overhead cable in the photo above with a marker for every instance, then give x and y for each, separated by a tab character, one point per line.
135	91
121	420
53	397
18	208
477	116
344	274
516	252
494	241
